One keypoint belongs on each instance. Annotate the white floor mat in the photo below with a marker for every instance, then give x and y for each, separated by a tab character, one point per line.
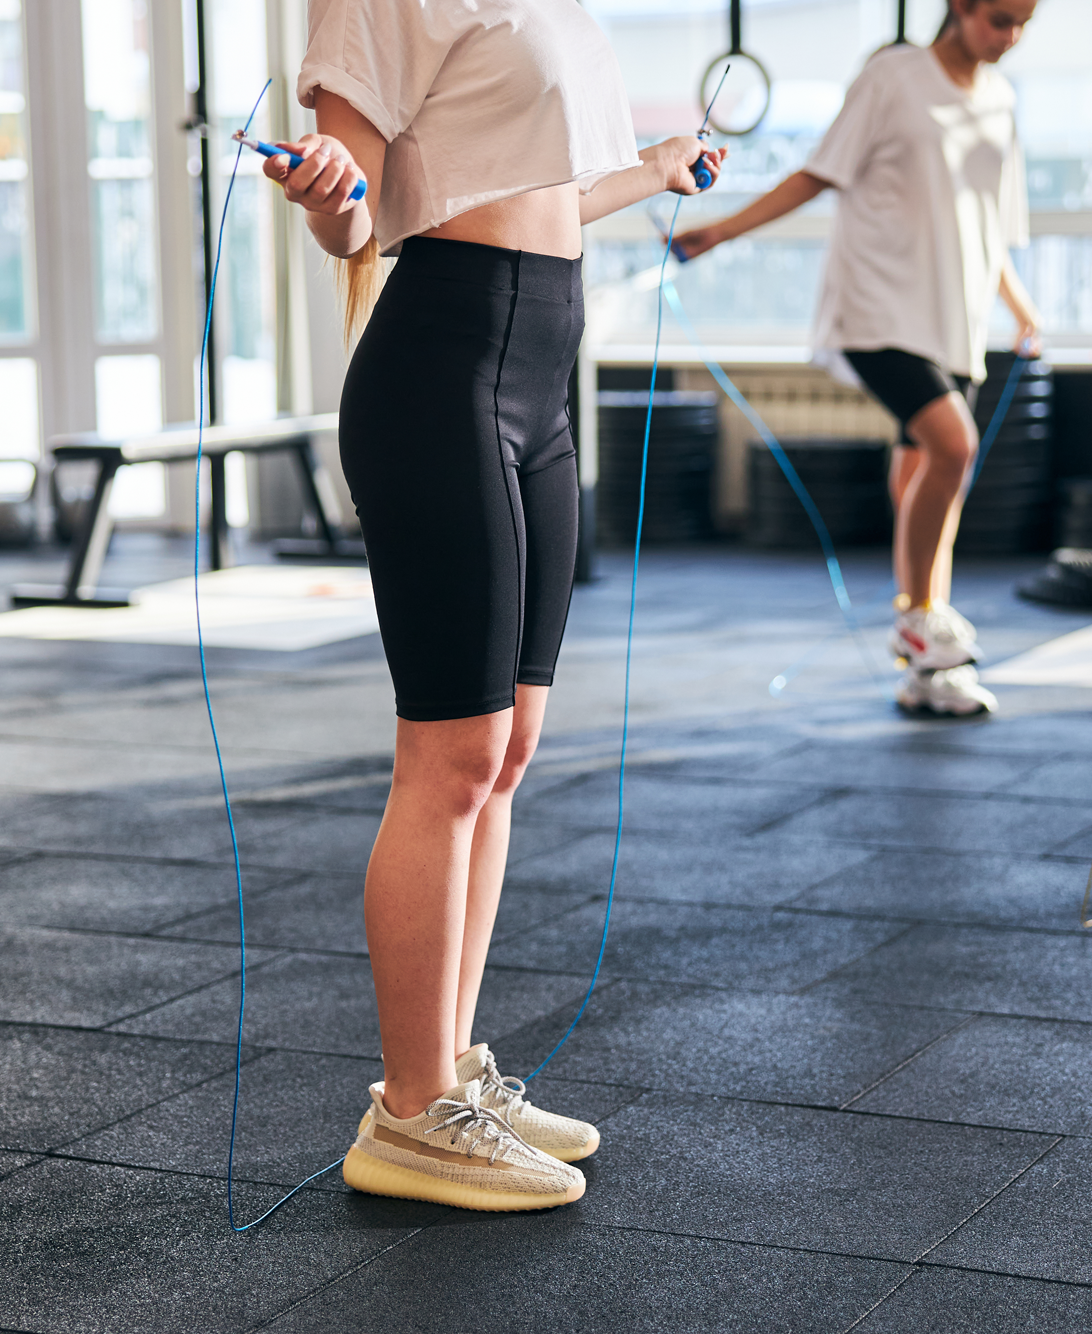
1066	661
278	607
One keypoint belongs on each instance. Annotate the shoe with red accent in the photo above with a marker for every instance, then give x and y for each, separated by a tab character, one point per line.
933	638
945	694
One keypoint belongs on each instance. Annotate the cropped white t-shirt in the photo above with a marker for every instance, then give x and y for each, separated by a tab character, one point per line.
478	100
932	195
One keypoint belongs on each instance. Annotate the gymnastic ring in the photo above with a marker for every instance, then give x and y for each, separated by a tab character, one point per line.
704	91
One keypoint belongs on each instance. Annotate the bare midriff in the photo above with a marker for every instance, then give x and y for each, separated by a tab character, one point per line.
546	222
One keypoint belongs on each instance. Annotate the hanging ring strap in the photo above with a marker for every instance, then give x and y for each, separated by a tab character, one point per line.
736	54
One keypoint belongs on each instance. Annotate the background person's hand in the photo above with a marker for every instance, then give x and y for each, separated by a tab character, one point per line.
700	239
323	182
1029	340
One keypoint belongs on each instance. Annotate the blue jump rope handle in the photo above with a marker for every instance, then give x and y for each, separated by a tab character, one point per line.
294	160
703	177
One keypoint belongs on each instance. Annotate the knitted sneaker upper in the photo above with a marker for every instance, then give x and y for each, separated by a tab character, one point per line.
561	1136
462	1141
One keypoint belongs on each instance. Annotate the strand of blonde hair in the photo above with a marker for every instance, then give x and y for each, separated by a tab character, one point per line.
359	279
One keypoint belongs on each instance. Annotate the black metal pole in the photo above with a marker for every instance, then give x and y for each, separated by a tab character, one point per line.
900	34
735	22
200	107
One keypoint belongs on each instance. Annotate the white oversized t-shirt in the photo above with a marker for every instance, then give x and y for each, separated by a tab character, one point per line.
478	100
932	196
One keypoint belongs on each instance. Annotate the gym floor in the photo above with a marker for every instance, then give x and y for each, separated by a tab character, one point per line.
841	1050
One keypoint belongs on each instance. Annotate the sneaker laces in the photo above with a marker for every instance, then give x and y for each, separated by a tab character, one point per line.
505	1090
471	1124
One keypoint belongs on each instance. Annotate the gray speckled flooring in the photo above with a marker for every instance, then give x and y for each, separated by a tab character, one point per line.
840	1054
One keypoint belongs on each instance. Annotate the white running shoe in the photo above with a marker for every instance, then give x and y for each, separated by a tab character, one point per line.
559	1136
961	625
456	1152
953	692
933	638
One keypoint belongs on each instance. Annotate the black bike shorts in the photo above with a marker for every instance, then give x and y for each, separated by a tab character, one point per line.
905	383
457	447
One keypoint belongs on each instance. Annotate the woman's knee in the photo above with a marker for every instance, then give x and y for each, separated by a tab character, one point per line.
944	432
457	763
520	753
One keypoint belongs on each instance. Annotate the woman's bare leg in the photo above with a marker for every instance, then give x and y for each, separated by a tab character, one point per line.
489	855
415	896
945	434
904	462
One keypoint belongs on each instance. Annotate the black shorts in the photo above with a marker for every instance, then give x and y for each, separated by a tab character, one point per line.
904	382
457	447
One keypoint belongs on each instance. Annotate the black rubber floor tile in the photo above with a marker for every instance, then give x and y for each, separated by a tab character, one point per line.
789	1176
920	822
1044	733
339	842
12	1162
548	1272
730	947
894	766
311	1002
974	968
297	1113
325	1003
761	871
94	1249
1040	1227
1024	1074
780	1048
677	805
943	1301
314	912
1070	778
121	825
57	1084
529	840
85	979
525	905
109	895
942	887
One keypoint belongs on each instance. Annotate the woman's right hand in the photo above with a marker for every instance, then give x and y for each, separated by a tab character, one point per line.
323	182
700	239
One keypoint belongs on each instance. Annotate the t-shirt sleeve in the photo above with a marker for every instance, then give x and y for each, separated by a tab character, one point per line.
381	56
1014	198
852	136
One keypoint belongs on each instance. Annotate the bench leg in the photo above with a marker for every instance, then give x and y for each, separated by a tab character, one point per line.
92	539
220	554
312	490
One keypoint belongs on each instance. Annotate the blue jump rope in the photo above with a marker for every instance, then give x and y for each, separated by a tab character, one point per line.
703	179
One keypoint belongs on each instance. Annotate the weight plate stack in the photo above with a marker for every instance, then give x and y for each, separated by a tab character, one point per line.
1009	508
846	478
1073	526
681	451
1066	581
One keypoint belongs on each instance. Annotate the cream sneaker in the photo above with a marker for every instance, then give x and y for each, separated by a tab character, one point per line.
559	1136
953	693
934	638
456	1152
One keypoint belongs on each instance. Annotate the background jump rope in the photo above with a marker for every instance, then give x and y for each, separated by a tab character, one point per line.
666	290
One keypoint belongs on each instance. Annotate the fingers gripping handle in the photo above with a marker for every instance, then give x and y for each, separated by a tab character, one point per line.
703	177
294	160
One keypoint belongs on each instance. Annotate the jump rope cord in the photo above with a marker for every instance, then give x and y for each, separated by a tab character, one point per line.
236	1227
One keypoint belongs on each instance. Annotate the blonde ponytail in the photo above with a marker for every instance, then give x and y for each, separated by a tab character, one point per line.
359	279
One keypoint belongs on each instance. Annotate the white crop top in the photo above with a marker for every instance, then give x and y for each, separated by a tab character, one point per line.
478	100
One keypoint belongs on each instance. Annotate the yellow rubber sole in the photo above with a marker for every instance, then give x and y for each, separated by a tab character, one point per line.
585	1151
374	1177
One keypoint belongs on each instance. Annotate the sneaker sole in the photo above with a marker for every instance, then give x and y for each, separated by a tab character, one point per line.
927	711
574	1155
374	1177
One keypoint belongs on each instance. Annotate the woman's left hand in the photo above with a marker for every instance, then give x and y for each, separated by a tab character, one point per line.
674	158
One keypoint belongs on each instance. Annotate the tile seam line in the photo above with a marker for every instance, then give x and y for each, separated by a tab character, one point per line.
886	1297
909	1060
338	1278
110	1024
1004	1273
255	1058
852	963
986	1203
168	1171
